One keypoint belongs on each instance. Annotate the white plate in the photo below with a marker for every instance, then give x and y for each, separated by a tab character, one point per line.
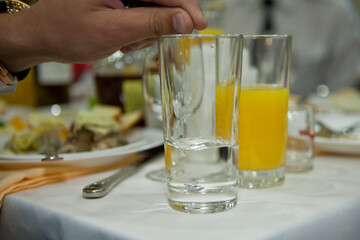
139	139
338	145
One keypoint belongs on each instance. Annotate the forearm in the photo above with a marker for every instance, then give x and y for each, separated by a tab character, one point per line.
19	49
83	31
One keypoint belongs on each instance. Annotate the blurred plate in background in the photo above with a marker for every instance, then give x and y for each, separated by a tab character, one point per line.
140	139
334	145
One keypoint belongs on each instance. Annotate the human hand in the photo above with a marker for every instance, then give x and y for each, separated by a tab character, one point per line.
191	7
88	30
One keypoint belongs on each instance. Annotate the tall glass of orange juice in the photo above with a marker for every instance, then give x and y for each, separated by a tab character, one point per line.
263	110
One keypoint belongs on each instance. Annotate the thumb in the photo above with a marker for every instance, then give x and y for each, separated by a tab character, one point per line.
153	22
181	23
168	21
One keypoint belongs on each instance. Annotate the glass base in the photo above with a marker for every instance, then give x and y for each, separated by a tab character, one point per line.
261	179
158	175
299	168
299	164
208	207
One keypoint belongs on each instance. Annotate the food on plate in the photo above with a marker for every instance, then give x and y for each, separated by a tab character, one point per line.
27	133
350	132
347	100
102	127
17	123
99	128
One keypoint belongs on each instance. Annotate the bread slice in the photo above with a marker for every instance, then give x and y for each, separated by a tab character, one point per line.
129	120
99	128
109	111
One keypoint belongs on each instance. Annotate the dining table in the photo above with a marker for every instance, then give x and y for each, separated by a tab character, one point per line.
323	203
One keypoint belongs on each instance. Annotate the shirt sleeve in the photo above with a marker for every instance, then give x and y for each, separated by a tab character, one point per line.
8	88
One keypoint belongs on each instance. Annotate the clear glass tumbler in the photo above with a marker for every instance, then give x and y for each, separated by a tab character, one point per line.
300	140
200	87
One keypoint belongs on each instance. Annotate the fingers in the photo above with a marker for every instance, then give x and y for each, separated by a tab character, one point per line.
113	4
190	6
152	22
169	17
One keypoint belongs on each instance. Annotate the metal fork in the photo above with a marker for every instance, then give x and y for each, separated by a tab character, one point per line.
49	145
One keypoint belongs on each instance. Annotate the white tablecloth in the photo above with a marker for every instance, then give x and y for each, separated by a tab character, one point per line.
321	204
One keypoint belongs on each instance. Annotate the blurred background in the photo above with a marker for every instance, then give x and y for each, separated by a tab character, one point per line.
326	55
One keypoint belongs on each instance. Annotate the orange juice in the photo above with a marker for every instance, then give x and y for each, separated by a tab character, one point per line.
167	149
212	30
224	109
262	127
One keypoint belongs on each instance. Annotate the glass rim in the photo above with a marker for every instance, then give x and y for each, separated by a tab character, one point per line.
229	35
199	35
300	107
264	36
